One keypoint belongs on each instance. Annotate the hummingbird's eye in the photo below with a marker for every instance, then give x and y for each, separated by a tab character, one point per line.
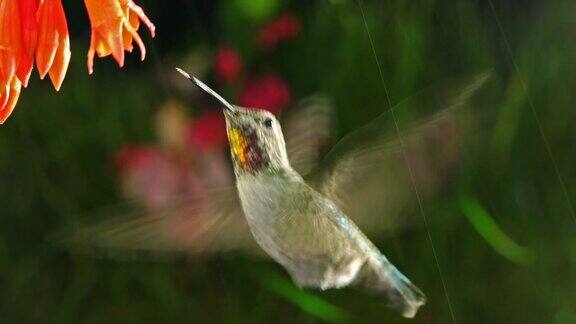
268	122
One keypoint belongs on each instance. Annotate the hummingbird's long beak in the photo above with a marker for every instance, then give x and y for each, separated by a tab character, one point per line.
206	88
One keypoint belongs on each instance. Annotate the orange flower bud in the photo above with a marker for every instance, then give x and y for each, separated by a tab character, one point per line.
53	46
9	98
10	39
29	28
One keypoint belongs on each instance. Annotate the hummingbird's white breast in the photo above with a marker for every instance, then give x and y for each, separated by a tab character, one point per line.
301	230
268	201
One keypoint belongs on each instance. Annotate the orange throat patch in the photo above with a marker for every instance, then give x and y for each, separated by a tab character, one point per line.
239	146
245	148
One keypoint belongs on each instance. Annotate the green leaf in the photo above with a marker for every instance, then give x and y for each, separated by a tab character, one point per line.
258	10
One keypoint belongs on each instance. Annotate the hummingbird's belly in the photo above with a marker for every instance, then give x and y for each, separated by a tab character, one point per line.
295	225
267	204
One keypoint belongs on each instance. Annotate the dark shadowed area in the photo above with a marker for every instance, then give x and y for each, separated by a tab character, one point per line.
478	210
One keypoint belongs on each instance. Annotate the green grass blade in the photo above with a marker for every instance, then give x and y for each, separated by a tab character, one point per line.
492	233
303	299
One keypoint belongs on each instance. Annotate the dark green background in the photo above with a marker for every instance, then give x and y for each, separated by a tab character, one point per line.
56	154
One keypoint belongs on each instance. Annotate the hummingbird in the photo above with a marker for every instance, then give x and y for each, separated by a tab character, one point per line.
299	227
301	213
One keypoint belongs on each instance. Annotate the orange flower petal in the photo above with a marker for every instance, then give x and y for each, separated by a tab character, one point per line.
25	68
4	96
127	40
140	12
62	58
60	65
53	47
47	44
29	24
10	38
134	21
111	42
11	101
139	41
97	46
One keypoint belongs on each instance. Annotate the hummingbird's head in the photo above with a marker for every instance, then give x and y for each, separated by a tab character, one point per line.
256	140
255	136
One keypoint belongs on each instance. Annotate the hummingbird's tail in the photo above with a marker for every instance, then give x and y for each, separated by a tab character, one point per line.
382	278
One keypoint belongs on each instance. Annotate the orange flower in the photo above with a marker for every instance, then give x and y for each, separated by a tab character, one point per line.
114	25
11	44
30	27
36	30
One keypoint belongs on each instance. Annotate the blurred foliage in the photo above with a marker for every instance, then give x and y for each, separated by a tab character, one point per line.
486	227
56	166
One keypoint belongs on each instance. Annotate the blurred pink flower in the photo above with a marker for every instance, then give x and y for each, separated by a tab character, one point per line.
130	156
288	26
228	64
150	176
268	92
208	131
284	27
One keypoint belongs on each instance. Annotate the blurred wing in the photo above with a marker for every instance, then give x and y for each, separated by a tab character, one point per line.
366	173
306	131
211	223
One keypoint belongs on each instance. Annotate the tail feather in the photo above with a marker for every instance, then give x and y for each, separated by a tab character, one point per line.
382	278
